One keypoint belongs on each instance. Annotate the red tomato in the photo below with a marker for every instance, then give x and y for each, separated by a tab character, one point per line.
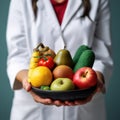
46	61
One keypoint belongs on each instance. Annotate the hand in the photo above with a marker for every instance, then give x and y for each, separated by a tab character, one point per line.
27	86
101	82
73	103
22	76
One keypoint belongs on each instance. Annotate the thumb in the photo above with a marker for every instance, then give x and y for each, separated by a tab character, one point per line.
26	85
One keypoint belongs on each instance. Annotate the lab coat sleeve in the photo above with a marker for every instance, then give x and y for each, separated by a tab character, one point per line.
17	49
102	42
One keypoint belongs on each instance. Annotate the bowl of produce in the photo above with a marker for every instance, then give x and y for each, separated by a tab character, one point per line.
59	76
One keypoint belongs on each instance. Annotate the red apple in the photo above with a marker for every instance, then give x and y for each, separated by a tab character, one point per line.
85	77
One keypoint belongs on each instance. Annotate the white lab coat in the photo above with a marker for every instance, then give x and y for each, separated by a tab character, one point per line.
24	32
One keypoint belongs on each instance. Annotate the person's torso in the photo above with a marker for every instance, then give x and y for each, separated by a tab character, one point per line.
73	32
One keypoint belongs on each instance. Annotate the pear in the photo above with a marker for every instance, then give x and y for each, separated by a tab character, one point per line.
63	57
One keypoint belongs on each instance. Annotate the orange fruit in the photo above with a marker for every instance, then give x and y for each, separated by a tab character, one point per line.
41	76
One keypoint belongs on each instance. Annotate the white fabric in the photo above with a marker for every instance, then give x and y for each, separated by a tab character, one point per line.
24	33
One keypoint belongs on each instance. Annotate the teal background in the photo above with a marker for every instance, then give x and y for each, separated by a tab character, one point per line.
113	94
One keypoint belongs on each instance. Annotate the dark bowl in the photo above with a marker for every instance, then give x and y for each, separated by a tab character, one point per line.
70	95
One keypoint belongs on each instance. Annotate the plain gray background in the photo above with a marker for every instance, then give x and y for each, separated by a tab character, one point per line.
113	94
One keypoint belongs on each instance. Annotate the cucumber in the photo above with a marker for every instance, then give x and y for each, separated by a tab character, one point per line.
85	60
79	52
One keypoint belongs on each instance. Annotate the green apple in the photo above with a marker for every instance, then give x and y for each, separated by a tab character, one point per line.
62	84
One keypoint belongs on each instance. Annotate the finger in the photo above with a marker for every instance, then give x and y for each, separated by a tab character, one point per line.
26	85
69	103
82	102
58	103
101	88
38	99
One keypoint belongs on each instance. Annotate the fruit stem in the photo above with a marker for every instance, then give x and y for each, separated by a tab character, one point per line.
61	82
84	75
65	47
40	45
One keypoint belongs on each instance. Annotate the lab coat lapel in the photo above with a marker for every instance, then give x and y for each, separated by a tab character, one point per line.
72	7
54	25
44	6
51	15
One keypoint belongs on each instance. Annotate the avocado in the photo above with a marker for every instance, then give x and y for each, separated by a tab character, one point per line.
85	60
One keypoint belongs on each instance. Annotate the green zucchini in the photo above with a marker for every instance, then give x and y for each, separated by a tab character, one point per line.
85	60
79	52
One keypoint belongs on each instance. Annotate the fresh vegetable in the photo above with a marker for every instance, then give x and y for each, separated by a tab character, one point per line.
86	60
46	66
38	52
45	87
79	52
46	61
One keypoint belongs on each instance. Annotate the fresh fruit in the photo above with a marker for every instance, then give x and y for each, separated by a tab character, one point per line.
33	62
85	78
63	57
79	52
41	76
86	60
62	84
33	65
46	61
35	53
34	59
39	52
63	71
45	50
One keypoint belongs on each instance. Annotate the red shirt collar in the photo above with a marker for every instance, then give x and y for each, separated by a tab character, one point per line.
56	3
